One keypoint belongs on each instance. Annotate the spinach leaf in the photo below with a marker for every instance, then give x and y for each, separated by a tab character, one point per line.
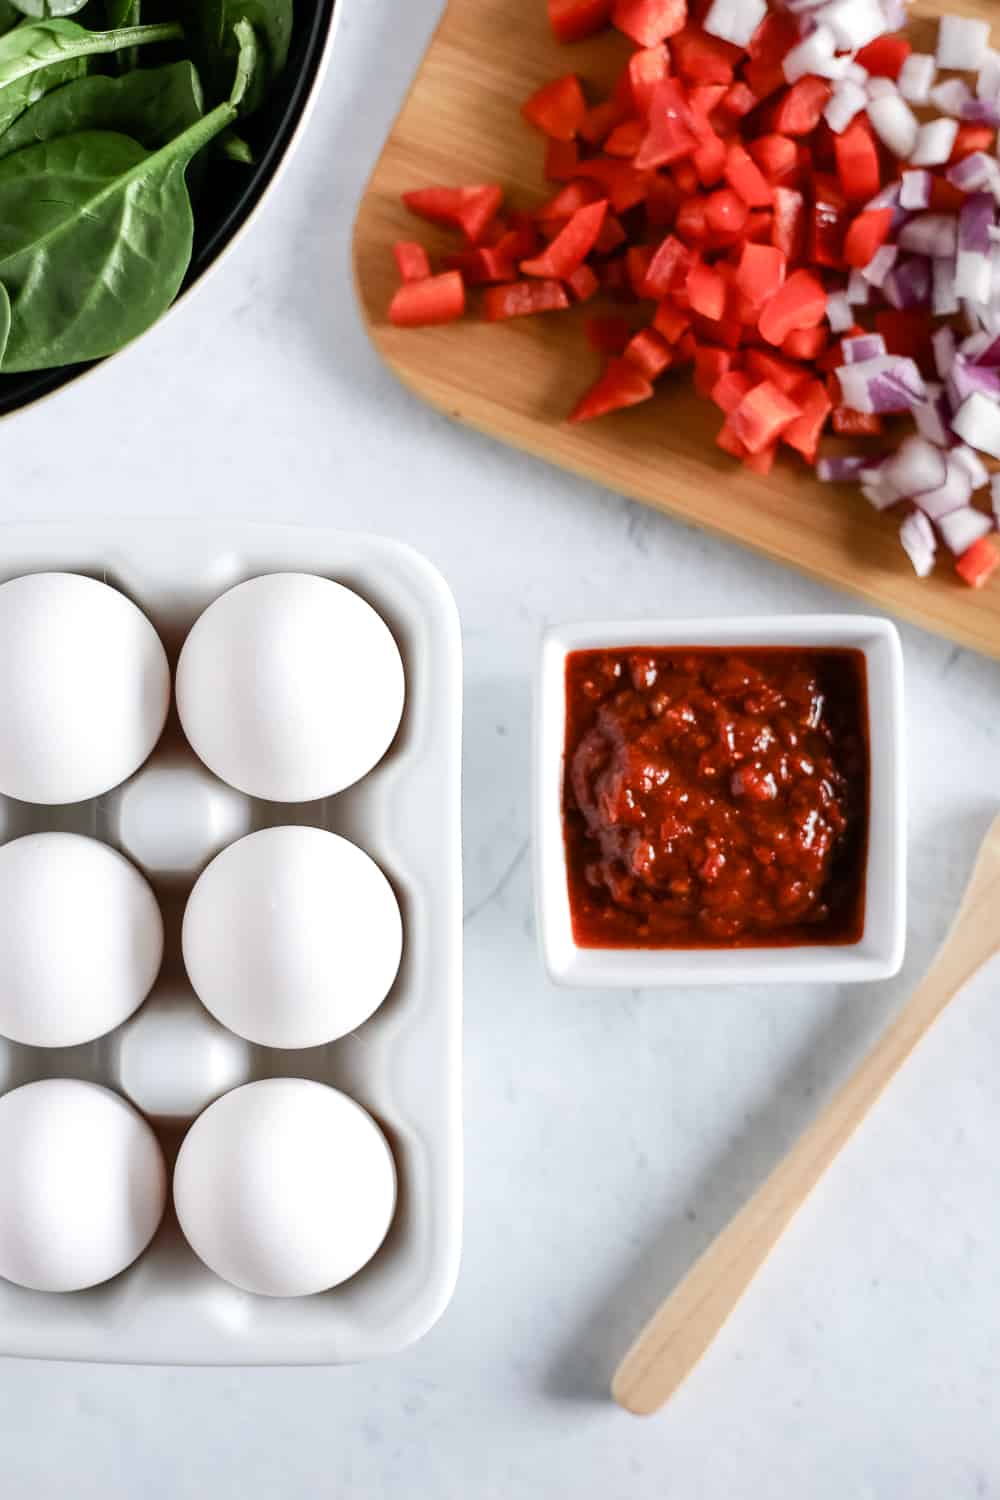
4	319
95	234
210	24
44	54
151	105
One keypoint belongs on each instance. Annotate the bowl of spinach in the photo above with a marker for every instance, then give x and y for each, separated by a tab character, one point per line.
136	137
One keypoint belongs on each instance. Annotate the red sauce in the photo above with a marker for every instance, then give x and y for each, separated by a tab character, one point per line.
716	798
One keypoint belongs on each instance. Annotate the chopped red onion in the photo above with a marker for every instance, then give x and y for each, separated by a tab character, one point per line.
915	189
816	55
990	357
944	302
933	416
964	379
847	100
962	43
880	496
863	346
842	470
916	77
973	465
934	144
735	20
886	384
951	97
895	124
919	543
881	263
887	197
977	422
908	284
955	493
974	172
855	23
930	234
974	274
839	314
974	345
981	112
916	467
960	528
988	82
943	343
858	290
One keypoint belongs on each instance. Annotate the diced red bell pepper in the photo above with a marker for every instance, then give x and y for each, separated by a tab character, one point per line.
571	245
621	385
614	280
829	222
729	442
520	239
685	177
563	205
671	134
764	78
648	22
561	160
471	209
685	349
908	331
726	213
978	562
637	263
800	303
668	268
692	224
662	202
710	364
608	335
777	157
557	108
745	177
623	184
849	423
650	353
709	160
738	100
435	299
857	161
484	266
583	283
701	58
646	69
805	432
760	273
806	344
611	236
625	139
867	234
412	260
760	227
801	109
522	299
762	416
572	20
780	372
730	388
599	122
762	462
703	98
774	38
707	291
671	320
789	228
885	56
971	138
946	198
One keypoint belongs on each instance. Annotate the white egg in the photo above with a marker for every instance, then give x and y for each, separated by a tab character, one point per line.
81	939
290	687
84	688
292	937
82	1185
285	1188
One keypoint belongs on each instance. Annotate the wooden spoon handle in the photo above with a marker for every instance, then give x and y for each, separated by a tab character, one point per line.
687	1322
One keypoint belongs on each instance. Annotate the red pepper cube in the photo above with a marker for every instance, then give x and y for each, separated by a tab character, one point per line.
707	290
608	335
621	385
599	122
703	98
625	139
978	562
685	178
730	388
777	157
522	299
760	273
435	299
867	234
637	262
671	127
829	222
521	239
571	246
668	268
561	160
572	20
849	423
805	432
583	283
662	201
561	207
692	224
557	108
701	58
970	138
620	181
907	331
806	344
856	154
801	109
783	373
648	22
611	236
710	364
885	56
760	227
646	69
671	320
762	416
789	228
471	209
774	38
412	260
709	159
484	266
650	353
800	303
738	100
745	177
726	214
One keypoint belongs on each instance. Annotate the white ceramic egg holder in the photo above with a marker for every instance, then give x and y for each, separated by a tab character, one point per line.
172	1059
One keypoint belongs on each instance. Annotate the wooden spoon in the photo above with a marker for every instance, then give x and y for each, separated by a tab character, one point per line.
679	1333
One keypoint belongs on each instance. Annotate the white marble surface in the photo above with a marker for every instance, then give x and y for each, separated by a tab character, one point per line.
608	1135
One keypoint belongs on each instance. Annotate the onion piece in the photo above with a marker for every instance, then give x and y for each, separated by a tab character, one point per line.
916	467
977	422
990	356
934	144
930	234
974	273
843	470
962	43
816	55
951	97
965	379
975	345
960	528
973	172
915	189
916	77
855	23
880	88
839	314
981	112
973	465
863	346
896	126
919	543
847	100
881	263
944	300
886	384
943	343
880	496
858	291
933	416
735	20
955	493
988	82
908	284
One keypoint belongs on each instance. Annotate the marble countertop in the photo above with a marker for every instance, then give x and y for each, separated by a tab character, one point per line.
608	1135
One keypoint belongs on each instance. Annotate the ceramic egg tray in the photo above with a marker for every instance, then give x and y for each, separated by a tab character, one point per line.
171	1059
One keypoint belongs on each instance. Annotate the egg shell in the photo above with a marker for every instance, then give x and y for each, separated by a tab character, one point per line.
285	1187
290	687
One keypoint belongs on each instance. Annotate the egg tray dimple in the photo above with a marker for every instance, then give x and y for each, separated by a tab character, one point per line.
171	1058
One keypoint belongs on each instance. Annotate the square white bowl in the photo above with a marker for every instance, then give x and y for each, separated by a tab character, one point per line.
879	952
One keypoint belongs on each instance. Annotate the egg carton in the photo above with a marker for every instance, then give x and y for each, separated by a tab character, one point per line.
171	1059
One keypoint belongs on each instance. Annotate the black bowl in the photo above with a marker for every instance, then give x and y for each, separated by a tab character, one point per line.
230	192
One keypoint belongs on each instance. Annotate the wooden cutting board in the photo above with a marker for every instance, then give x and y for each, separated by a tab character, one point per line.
516	381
